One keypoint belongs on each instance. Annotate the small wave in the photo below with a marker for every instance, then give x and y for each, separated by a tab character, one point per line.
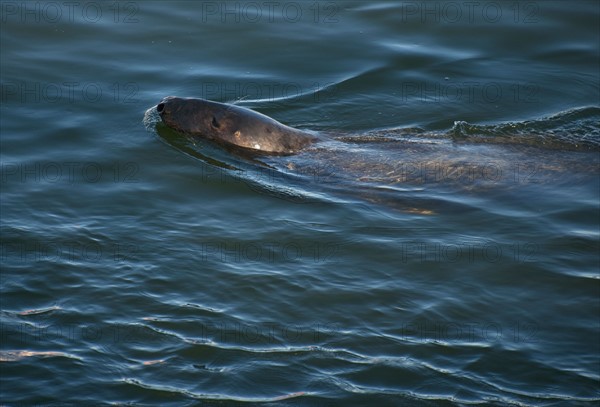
576	129
151	117
212	397
16	355
39	311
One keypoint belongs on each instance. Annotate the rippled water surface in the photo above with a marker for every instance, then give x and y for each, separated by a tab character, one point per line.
439	246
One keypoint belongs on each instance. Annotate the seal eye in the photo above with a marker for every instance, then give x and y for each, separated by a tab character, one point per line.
215	123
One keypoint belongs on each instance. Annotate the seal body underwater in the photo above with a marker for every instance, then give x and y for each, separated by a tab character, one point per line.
232	125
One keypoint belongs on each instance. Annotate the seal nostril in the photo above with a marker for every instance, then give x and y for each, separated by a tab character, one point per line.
160	107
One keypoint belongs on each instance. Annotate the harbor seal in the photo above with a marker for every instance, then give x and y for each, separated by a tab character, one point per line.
232	125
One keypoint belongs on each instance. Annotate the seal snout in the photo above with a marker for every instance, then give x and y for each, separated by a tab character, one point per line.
162	105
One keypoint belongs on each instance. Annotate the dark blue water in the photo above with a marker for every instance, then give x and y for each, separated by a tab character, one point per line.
438	247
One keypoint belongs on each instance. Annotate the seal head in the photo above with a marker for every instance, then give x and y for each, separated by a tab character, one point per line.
231	125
